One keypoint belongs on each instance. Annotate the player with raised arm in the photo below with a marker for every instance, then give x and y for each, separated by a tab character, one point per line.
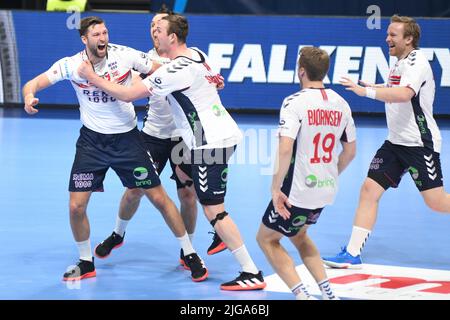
207	129
108	138
413	144
164	142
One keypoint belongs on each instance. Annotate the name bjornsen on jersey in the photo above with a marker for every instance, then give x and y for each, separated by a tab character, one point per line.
320	117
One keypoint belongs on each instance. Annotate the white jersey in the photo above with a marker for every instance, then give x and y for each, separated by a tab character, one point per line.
99	111
412	123
317	119
190	86
159	120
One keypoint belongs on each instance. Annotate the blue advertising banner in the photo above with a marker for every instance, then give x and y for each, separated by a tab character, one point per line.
255	54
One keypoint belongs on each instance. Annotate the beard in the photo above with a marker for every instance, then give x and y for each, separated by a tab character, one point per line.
96	52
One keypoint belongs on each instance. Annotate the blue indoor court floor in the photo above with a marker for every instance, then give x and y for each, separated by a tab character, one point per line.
407	255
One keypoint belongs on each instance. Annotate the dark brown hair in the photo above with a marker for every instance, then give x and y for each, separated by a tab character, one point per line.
85	23
178	25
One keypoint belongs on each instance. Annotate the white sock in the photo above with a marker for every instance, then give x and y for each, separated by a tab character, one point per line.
244	259
84	249
121	225
191	236
186	244
300	292
327	293
357	240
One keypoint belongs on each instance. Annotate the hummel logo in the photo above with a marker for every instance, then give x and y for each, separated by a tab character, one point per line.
273	216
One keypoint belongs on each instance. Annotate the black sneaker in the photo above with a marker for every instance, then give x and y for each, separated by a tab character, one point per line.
197	267
182	262
217	245
83	269
114	241
245	281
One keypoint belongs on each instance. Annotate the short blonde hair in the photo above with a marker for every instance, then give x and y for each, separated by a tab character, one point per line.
315	61
410	27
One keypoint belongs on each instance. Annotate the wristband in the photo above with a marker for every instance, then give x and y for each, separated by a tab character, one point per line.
371	93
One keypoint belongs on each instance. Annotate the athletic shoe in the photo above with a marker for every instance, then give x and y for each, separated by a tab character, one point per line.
84	269
343	260
245	281
182	262
217	245
114	241
197	267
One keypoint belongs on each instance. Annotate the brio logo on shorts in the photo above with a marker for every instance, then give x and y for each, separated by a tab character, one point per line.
414	172
415	175
224	177
140	173
311	181
299	221
83	180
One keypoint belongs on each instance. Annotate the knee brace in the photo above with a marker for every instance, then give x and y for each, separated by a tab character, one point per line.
218	217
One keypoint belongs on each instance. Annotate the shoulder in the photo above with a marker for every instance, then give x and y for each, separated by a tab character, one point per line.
153	55
293	98
124	50
177	65
417	57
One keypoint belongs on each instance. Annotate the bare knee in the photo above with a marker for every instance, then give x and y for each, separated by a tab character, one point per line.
266	243
158	198
371	191
133	195
435	204
77	209
437	199
187	197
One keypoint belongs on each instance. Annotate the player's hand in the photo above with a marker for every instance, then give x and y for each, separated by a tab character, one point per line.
281	203
351	86
30	102
221	83
366	84
86	70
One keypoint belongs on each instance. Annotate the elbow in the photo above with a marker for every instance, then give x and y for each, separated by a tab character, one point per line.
406	95
350	151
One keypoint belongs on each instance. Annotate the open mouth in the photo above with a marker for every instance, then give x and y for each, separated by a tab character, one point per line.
101	47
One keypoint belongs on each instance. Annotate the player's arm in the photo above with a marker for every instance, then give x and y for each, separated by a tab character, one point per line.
390	95
283	161
128	94
347	155
31	88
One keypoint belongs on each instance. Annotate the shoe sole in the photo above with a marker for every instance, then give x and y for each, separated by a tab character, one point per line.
104	257
202	278
336	265
84	276
184	265
217	249
239	288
